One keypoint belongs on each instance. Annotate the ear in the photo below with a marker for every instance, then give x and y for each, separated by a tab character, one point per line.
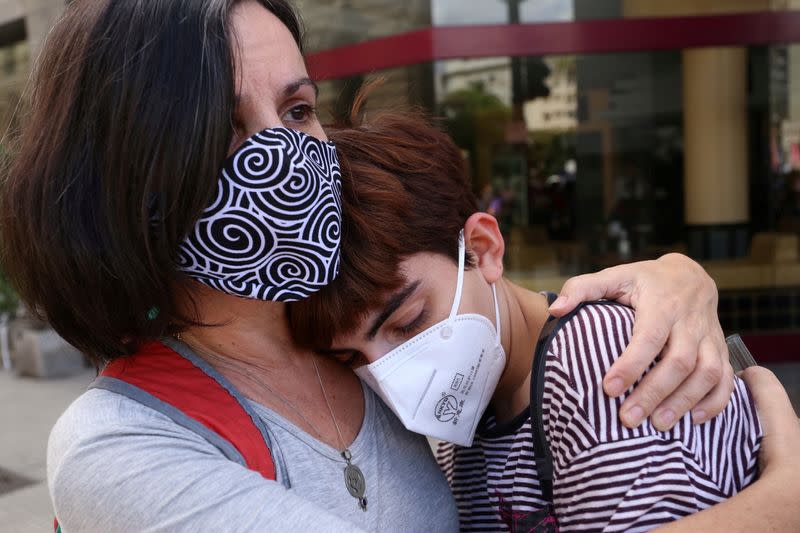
485	242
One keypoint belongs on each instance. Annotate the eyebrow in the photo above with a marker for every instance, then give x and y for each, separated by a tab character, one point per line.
293	87
287	91
391	306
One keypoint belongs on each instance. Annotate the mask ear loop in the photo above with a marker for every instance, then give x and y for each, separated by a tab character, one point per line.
460	283
462	249
496	312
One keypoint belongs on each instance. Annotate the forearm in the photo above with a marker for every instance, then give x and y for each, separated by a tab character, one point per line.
770	504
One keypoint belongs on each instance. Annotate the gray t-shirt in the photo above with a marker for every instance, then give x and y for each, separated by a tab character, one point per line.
116	465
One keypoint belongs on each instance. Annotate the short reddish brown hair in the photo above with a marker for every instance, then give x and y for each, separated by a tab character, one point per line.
405	191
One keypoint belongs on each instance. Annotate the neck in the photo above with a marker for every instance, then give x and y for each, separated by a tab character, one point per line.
248	342
252	334
522	314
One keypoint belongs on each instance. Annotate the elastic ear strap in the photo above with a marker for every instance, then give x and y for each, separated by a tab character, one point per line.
460	284
496	313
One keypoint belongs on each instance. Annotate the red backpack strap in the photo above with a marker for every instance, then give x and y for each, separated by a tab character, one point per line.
193	389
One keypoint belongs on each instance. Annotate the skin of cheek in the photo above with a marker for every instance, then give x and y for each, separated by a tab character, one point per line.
476	296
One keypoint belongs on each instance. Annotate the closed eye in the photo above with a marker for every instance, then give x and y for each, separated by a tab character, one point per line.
415	324
349	358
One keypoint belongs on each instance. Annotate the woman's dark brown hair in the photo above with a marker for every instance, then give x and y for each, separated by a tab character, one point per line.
404	191
131	110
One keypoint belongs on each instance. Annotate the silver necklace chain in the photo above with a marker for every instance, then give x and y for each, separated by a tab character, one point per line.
285	401
353	476
330	409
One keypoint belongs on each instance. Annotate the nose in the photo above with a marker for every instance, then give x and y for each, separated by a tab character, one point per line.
251	120
376	349
260	117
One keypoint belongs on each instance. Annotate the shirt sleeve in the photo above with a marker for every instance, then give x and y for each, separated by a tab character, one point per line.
116	466
611	478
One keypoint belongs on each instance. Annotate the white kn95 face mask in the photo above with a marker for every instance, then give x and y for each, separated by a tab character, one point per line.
440	382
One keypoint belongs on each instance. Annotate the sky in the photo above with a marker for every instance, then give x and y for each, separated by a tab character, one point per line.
459	12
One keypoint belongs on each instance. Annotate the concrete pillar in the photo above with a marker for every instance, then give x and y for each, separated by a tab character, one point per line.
716	179
715	135
42	353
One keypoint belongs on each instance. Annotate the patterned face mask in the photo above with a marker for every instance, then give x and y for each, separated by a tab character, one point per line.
272	231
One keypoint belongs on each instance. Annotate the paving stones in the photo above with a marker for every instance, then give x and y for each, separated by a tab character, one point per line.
28	409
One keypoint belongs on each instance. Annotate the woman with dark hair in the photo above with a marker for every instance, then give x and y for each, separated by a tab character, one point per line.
157	225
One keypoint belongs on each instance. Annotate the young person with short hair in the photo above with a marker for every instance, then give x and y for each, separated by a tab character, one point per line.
422	312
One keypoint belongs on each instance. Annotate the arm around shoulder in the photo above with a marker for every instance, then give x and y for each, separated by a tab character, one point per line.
608	475
676	318
769	504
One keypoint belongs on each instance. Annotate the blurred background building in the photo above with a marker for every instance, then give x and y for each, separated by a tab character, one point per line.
606	131
597	131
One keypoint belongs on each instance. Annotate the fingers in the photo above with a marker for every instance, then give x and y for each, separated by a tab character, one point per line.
774	407
716	400
779	423
705	392
648	337
709	381
611	283
675	299
676	364
687	377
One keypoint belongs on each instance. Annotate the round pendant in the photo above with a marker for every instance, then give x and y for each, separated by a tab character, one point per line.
354	481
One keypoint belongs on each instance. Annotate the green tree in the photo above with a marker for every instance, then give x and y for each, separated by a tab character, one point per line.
477	122
9	301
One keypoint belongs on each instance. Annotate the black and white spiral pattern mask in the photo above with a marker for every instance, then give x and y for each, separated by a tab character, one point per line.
273	230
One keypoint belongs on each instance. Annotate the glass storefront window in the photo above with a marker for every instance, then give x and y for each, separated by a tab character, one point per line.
611	9
584	162
399	87
583	159
333	23
596	159
783	187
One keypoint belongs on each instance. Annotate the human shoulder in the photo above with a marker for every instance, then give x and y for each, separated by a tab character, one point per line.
95	448
112	463
586	343
105	426
99	413
582	346
609	475
582	351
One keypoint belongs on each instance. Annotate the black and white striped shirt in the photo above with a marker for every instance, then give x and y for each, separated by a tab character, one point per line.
606	477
